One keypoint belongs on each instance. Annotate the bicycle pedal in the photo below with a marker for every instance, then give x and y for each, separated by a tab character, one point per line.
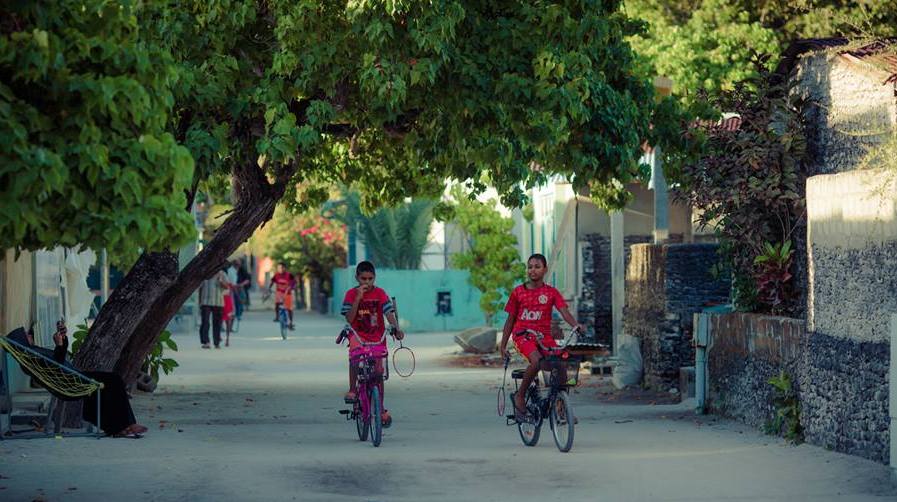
345	412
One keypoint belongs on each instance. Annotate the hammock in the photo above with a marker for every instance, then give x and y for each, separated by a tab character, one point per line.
62	381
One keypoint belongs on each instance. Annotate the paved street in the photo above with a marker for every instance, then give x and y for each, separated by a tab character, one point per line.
258	421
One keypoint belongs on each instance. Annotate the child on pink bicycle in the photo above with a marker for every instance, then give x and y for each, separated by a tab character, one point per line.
365	307
529	308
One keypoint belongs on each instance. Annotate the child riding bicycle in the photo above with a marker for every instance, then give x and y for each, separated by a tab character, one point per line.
529	308
365	307
284	284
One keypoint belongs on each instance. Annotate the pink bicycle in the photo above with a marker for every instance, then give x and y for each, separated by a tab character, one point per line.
373	370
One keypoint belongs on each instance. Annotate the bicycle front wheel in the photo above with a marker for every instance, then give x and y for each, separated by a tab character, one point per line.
376	419
360	423
283	323
529	431
561	418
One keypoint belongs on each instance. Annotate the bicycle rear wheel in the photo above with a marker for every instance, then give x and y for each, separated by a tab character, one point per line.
529	431
561	418
361	425
376	420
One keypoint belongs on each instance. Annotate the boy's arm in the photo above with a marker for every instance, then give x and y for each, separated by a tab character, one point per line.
391	317
565	313
506	335
353	311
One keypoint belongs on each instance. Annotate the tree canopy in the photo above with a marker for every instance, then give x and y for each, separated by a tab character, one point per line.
712	45
284	98
100	98
86	156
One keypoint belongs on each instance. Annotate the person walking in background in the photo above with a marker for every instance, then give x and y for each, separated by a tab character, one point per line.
232	278
211	305
244	280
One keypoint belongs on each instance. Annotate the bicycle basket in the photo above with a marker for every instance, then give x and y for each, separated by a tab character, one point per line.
571	364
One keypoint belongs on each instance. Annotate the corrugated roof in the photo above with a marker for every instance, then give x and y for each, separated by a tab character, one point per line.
874	54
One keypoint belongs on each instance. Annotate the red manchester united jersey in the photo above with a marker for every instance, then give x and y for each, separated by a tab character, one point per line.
531	308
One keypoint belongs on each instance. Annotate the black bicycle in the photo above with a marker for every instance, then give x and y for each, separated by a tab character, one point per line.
561	372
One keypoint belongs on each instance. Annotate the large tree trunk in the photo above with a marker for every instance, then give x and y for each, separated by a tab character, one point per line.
147	280
130	322
235	230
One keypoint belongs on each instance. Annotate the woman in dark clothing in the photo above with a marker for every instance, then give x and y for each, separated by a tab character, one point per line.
117	418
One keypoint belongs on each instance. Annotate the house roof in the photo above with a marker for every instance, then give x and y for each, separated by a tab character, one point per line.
873	54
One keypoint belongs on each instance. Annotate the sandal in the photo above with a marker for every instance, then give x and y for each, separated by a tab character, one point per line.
128	435
350	397
137	428
386	419
521	416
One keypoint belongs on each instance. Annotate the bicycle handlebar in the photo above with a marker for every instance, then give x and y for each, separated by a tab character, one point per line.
539	336
350	331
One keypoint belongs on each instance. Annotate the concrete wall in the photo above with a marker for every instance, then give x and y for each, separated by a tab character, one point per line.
415	292
16	291
666	285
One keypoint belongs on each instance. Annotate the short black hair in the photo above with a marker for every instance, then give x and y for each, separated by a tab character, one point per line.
365	266
540	257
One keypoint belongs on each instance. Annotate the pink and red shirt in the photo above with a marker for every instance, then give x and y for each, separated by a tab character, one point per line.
369	320
531	308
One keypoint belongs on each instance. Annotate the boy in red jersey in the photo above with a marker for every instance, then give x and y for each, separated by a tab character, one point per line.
365	307
529	307
285	284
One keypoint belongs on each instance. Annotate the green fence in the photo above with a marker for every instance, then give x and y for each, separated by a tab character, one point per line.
427	300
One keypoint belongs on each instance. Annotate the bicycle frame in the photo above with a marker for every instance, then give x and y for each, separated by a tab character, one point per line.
553	360
366	358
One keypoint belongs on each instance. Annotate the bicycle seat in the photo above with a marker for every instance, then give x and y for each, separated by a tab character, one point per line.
518	374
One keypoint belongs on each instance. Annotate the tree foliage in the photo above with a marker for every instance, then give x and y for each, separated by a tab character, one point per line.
395	236
307	243
712	45
279	99
492	259
85	152
750	186
391	96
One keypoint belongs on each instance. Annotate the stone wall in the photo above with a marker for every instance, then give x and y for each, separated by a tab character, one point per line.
852	247
852	220
594	309
665	285
844	395
841	385
744	352
847	109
